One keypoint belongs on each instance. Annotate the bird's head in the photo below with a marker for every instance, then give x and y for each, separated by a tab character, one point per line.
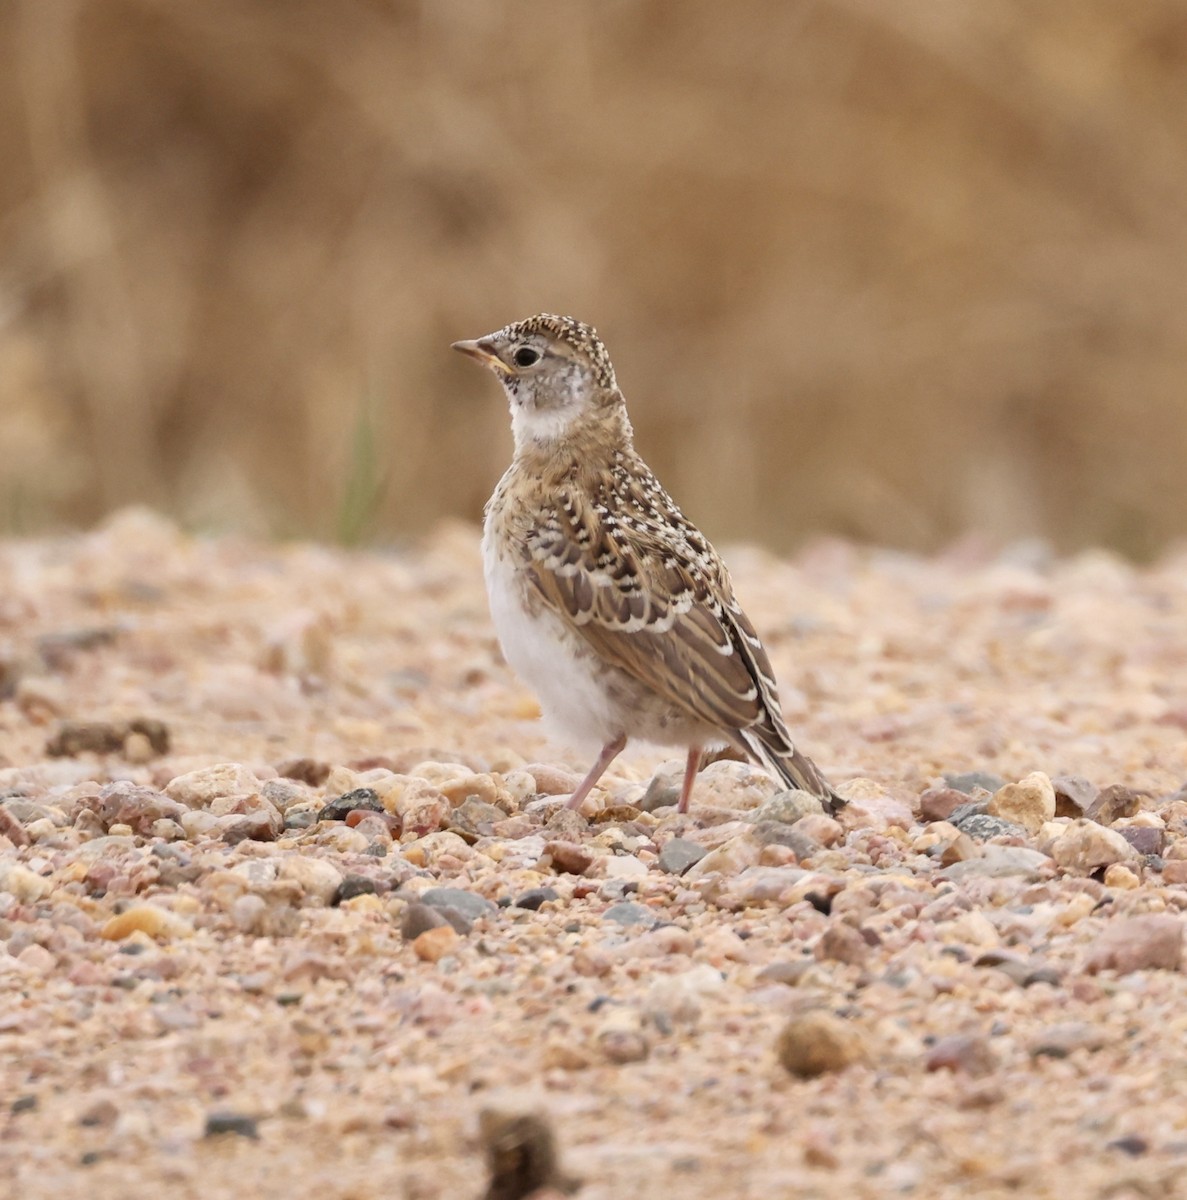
555	371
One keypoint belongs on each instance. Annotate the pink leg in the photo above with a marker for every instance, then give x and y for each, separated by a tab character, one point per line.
610	751
690	773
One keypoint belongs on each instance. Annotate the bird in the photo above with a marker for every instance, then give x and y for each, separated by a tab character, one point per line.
606	599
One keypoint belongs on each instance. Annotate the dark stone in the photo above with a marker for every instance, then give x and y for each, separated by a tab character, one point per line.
305	770
981	827
469	904
679	854
105	737
231	1122
968	781
775	833
354	885
1132	1144
342	806
973	808
1073	795
24	1104
419	918
78	737
262	825
1113	803
627	912
156	732
661	793
521	1157
534	897
1145	840
938	804
303	818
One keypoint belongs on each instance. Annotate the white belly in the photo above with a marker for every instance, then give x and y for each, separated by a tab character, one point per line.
548	656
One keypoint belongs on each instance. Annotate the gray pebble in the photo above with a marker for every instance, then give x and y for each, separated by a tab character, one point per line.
339	808
626	912
981	827
661	792
775	833
787	807
469	904
679	854
231	1122
962	812
534	897
353	885
969	780
419	918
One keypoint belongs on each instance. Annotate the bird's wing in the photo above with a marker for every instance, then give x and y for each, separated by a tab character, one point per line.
651	597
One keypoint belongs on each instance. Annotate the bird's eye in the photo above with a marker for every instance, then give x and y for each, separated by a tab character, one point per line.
525	356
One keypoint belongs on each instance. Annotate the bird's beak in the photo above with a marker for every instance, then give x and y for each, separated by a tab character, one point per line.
482	351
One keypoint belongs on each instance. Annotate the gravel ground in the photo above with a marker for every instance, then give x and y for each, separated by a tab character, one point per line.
287	901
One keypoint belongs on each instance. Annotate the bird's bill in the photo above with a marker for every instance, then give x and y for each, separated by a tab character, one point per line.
481	352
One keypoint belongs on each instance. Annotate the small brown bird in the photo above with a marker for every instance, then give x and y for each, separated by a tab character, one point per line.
605	597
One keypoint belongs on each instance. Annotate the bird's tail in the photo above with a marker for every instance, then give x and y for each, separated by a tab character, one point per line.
776	752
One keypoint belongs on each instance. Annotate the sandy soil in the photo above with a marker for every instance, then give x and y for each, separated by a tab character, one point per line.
209	989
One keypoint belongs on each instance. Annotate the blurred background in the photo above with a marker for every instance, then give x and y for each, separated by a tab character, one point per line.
890	271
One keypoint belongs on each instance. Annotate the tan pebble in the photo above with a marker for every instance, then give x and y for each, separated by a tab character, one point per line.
147	919
138	748
592	961
960	849
677	998
722	945
1030	802
414	855
1118	876
22	883
248	913
775	855
972	928
621	1038
485	787
438	845
842	942
820	1151
197	823
317	879
816	1043
342	839
822	829
569	857
728	859
564	1056
37	958
519	786
1076	909
622	866
197	789
1085	847
552	781
1137	943
434	944
366	902
119	830
421	808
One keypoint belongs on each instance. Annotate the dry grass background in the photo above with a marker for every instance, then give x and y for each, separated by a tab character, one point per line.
895	271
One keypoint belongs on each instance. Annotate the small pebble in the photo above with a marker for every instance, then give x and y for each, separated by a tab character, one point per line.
818	1043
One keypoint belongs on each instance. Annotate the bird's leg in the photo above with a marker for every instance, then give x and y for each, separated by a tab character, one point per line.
610	751
690	773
